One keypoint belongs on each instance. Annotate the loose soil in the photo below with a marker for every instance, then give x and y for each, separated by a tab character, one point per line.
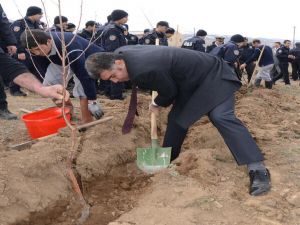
203	186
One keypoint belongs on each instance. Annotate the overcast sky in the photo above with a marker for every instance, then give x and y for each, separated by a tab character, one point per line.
253	18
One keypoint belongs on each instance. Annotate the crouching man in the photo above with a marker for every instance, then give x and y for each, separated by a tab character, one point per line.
47	57
196	84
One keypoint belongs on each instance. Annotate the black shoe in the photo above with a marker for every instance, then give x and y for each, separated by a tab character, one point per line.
260	182
268	84
7	115
116	98
18	93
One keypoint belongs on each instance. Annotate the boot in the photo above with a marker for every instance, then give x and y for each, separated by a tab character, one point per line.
269	84
7	115
257	82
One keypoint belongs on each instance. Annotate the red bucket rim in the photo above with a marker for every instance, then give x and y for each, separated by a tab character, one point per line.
67	111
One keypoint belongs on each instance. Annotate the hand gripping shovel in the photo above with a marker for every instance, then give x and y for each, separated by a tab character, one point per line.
154	158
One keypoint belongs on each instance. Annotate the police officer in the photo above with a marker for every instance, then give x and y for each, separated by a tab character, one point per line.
89	32
246	51
30	21
8	42
112	38
158	33
197	42
283	55
57	27
229	52
131	38
219	41
296	62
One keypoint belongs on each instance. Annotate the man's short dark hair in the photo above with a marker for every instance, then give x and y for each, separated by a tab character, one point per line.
100	61
32	38
277	42
285	41
63	19
201	33
170	30
90	23
163	24
256	41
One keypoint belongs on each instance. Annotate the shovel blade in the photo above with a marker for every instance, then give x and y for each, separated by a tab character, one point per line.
151	160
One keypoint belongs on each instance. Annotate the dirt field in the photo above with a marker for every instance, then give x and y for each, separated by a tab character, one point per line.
203	187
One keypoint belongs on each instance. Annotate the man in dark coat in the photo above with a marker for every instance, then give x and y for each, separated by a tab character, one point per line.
197	84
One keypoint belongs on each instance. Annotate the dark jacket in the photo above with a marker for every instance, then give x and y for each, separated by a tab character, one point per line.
296	52
6	36
19	26
266	58
113	37
150	39
194	82
282	54
74	50
229	52
194	43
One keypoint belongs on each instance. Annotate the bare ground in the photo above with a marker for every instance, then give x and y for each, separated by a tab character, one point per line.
204	186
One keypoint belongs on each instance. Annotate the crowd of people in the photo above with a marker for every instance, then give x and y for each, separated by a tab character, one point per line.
197	79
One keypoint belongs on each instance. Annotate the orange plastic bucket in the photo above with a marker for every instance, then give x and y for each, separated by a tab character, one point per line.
45	122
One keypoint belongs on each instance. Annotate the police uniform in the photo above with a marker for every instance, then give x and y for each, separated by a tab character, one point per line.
18	27
296	63
282	54
132	39
195	43
87	35
245	53
112	38
229	52
10	68
211	47
150	39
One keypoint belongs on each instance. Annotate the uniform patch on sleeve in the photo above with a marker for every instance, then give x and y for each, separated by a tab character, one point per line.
133	38
147	41
16	29
112	37
280	51
236	52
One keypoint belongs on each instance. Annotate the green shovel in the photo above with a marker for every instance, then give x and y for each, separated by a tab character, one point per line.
154	158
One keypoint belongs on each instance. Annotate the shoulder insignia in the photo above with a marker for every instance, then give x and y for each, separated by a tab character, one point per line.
236	52
112	37
147	41
16	28
279	51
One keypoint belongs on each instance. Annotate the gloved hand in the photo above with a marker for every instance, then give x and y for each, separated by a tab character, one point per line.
95	109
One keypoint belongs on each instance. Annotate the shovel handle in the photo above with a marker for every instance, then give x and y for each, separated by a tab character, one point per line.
153	119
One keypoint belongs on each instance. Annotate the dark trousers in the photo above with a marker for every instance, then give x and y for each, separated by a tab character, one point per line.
114	90
249	69
296	70
235	134
284	67
3	102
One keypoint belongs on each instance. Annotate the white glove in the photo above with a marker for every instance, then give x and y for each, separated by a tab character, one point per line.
95	109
